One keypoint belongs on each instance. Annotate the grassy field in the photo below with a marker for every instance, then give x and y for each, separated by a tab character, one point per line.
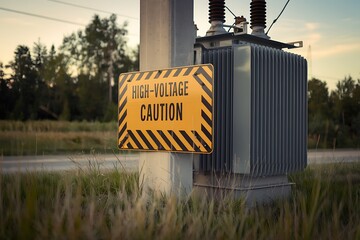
60	137
56	137
325	204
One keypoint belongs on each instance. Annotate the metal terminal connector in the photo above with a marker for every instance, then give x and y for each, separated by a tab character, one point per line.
296	44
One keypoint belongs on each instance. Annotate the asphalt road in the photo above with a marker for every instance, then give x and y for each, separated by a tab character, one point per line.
333	156
123	162
129	162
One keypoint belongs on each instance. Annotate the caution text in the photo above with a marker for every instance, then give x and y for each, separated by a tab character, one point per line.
161	112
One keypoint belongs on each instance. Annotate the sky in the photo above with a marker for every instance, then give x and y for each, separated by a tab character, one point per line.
330	29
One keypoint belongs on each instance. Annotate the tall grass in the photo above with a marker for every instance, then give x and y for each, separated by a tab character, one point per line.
56	137
324	204
56	126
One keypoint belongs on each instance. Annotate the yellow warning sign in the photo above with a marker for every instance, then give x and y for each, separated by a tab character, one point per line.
167	110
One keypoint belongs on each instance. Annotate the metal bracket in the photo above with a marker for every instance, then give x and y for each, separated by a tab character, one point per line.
297	44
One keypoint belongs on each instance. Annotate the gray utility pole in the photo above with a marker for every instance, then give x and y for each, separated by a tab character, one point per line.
167	37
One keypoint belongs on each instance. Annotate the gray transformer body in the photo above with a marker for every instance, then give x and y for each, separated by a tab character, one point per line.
260	107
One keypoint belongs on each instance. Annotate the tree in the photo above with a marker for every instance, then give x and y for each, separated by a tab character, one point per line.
6	100
342	97
41	64
77	82
318	98
99	56
91	100
320	123
346	107
53	71
25	84
64	88
104	48
41	57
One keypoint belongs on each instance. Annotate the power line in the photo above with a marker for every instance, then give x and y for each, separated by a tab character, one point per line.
41	16
93	9
278	16
230	11
50	18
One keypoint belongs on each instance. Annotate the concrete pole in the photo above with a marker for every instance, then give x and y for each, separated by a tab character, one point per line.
167	37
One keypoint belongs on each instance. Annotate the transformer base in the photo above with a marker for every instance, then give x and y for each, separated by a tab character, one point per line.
253	190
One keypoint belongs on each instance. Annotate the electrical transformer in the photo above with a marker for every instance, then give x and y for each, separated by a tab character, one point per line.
260	101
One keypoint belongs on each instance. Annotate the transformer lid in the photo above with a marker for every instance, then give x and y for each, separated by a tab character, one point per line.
247	38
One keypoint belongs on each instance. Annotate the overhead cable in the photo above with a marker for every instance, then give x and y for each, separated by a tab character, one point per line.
41	16
278	16
93	9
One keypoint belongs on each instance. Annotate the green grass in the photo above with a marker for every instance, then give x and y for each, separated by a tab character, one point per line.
56	126
56	137
325	204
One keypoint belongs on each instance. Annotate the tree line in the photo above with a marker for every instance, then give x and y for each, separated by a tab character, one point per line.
77	81
334	117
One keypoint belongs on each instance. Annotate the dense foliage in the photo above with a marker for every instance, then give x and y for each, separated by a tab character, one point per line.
76	82
334	119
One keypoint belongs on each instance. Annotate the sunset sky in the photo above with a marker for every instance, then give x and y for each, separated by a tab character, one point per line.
331	29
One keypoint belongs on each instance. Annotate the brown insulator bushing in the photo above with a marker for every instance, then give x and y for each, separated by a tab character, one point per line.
217	10
258	13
